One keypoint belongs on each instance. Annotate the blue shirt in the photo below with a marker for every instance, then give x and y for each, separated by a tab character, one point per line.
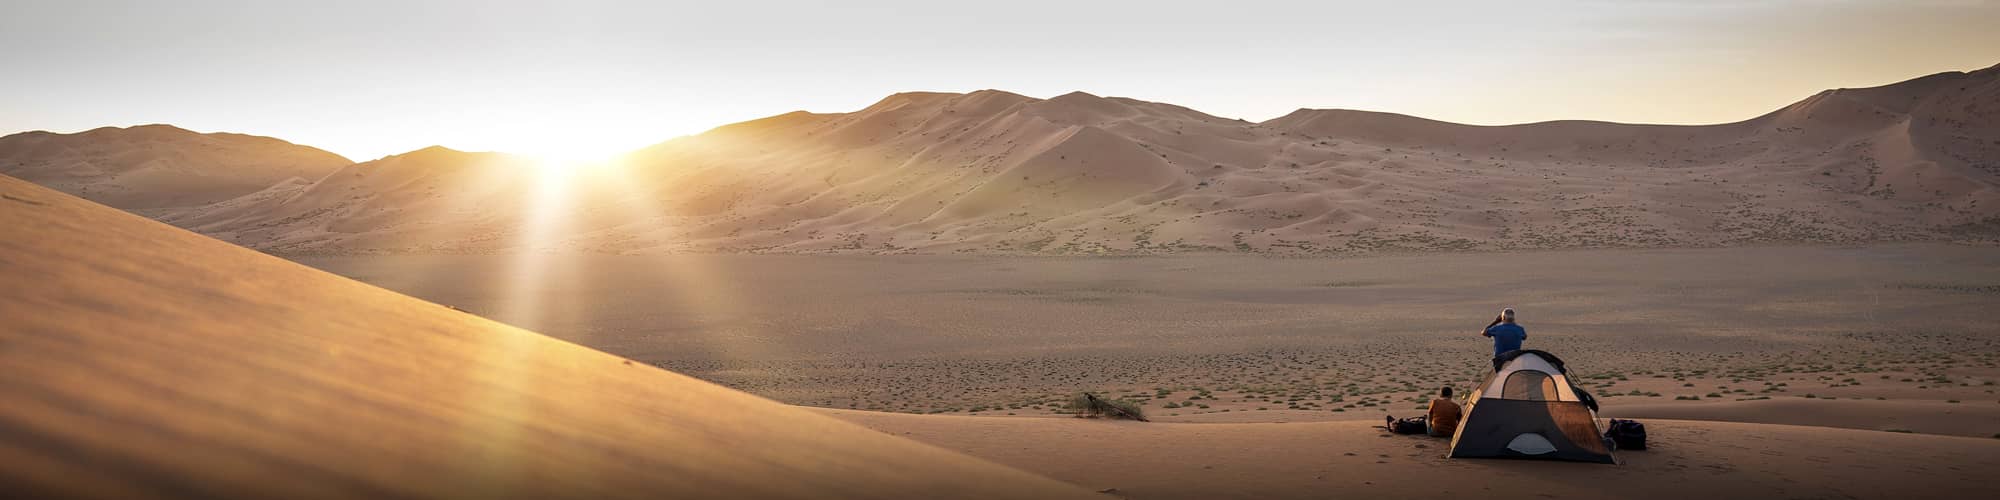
1507	337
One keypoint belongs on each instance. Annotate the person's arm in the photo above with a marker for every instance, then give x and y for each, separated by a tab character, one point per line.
1488	331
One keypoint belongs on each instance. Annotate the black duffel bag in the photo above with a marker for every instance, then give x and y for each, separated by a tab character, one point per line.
1410	425
1627	434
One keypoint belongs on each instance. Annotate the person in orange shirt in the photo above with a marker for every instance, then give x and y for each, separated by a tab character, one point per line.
1444	415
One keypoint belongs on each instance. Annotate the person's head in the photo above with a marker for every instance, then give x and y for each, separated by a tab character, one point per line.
1507	315
1445	393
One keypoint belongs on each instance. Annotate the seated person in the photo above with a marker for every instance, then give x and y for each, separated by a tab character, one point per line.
1444	414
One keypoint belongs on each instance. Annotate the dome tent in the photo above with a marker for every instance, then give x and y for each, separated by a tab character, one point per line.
1528	409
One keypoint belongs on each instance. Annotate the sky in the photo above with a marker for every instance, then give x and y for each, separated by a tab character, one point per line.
584	79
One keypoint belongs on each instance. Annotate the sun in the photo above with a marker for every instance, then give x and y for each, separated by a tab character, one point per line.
562	161
560	168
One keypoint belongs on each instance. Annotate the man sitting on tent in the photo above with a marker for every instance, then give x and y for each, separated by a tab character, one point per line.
1507	336
1444	415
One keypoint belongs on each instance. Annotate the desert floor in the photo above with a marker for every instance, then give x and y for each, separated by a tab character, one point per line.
1688	459
1887	337
1784	372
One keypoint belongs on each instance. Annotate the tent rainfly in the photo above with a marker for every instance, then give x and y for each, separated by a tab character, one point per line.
1528	409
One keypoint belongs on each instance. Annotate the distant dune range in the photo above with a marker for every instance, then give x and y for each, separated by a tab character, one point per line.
991	172
159	166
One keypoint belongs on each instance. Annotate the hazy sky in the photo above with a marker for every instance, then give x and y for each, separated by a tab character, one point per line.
367	79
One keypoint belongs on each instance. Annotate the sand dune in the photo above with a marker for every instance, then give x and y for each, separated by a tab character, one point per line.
160	166
413	202
145	361
1689	459
992	172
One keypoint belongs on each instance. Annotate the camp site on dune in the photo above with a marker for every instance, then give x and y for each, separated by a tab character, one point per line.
297	375
903	300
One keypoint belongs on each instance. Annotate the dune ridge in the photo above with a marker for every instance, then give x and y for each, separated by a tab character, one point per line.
992	172
160	166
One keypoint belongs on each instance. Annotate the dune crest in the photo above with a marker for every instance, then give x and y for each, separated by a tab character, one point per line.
159	166
991	172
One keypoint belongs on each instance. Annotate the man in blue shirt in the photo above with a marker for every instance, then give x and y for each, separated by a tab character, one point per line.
1507	336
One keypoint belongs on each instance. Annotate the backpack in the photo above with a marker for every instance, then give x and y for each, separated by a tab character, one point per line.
1627	434
1410	425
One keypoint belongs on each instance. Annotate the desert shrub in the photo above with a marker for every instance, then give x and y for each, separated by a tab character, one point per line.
1085	404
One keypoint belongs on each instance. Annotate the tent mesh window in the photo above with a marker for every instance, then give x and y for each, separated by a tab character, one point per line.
1530	385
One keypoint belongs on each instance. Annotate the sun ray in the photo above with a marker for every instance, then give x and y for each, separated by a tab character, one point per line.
639	200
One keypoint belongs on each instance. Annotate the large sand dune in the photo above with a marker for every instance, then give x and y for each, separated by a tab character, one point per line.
144	361
992	172
152	167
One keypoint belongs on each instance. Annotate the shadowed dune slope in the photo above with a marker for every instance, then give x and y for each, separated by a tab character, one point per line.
406	202
146	361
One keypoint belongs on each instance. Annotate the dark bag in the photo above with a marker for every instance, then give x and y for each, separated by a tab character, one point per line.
1411	425
1627	434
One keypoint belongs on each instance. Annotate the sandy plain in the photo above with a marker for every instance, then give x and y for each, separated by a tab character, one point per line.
1897	337
1797	372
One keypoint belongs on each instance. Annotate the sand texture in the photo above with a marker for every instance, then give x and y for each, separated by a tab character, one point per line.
146	361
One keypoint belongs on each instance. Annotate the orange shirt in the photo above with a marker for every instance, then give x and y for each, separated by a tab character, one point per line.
1444	417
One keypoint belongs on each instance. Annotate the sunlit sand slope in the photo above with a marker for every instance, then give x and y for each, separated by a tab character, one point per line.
145	361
